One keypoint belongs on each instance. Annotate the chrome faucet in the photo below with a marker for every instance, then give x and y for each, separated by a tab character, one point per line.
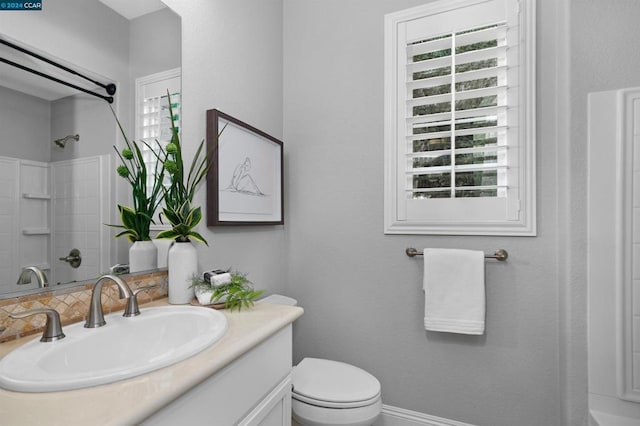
25	276
95	318
52	329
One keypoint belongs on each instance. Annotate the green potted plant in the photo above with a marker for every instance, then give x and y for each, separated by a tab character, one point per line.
136	221
178	197
181	214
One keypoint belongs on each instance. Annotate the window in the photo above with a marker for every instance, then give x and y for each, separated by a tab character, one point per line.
459	119
153	120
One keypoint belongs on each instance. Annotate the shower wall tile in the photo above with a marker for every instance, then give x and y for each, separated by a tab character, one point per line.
73	304
636	333
8	222
636	371
34	213
636	297
76	189
634	286
636	193
636	264
636	152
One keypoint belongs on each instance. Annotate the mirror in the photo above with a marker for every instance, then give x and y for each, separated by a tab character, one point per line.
57	162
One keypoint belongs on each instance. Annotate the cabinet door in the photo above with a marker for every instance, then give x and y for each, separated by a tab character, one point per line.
239	388
274	409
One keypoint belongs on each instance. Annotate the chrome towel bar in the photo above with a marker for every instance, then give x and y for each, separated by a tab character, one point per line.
500	254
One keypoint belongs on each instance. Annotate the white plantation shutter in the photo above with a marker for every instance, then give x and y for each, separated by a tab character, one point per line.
456	109
459	142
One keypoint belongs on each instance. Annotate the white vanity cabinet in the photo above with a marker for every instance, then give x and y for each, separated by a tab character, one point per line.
255	389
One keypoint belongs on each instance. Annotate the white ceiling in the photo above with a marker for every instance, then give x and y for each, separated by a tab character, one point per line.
131	9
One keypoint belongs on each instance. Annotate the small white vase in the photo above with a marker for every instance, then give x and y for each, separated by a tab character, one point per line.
143	256
183	265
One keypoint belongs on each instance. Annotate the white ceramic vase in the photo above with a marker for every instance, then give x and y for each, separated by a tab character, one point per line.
143	256
182	265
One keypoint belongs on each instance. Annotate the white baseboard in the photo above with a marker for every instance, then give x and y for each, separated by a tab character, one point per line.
394	416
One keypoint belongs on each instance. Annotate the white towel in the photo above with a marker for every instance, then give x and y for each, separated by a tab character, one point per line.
454	291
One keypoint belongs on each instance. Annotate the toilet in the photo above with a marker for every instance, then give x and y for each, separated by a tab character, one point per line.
331	393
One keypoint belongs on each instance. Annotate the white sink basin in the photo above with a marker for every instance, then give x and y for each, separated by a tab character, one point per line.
124	348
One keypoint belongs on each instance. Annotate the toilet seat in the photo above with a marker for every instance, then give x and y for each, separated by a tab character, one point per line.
333	384
329	404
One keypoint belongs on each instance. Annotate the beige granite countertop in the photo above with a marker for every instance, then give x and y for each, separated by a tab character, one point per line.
130	401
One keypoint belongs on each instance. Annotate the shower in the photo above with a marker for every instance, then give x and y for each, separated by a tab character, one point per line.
63	141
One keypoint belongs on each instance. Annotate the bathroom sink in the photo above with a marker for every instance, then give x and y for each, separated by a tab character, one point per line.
123	348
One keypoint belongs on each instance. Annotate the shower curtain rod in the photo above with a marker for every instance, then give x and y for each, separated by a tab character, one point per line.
57	80
109	88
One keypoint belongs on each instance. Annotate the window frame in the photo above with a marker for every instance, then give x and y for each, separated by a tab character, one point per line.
518	217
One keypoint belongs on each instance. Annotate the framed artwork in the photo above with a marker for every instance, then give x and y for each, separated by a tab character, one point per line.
245	181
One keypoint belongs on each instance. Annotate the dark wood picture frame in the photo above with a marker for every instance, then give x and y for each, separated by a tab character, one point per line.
245	183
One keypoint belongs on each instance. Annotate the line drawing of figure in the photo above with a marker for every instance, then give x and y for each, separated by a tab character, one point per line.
242	181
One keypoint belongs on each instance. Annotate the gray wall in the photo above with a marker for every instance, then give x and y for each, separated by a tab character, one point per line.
362	295
232	60
24	121
156	43
86	116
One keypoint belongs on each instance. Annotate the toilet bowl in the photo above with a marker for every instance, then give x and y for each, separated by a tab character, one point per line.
331	393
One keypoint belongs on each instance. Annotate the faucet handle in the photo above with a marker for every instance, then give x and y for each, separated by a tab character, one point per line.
52	329
132	308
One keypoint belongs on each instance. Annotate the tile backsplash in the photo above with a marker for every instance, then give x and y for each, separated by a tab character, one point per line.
73	304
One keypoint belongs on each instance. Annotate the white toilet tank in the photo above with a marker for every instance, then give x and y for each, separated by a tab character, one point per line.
278	299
